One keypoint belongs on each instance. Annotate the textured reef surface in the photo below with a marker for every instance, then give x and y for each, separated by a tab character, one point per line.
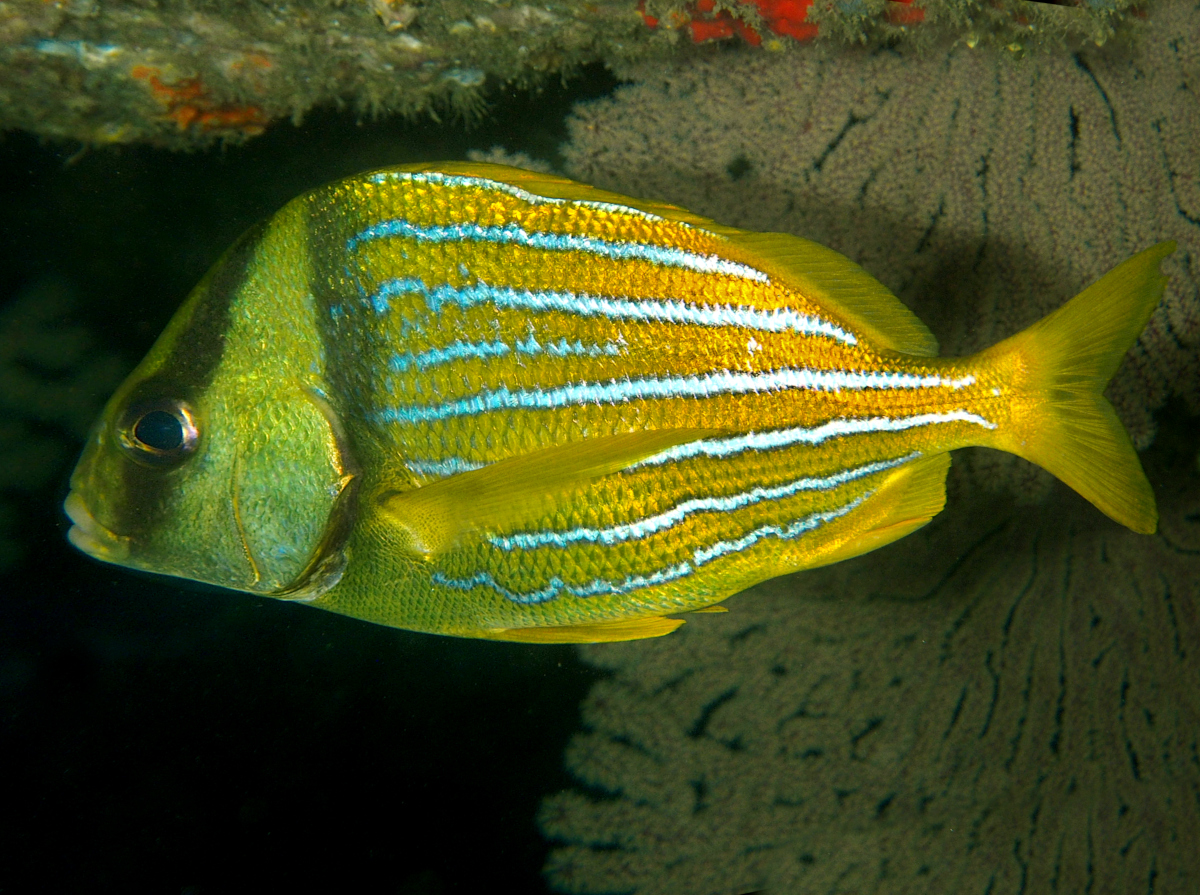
182	73
1007	700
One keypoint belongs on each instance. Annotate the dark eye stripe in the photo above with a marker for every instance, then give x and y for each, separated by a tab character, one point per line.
191	363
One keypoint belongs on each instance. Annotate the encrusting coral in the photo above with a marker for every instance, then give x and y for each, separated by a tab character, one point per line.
1005	701
181	74
1005	22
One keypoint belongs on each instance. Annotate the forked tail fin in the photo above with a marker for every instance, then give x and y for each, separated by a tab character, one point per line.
1067	359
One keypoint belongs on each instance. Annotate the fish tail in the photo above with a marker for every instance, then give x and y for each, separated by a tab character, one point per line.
1063	422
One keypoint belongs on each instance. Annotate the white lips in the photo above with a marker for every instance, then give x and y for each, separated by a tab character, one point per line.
89	535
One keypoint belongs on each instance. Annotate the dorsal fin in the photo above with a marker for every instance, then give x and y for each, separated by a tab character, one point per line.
827	277
553	186
837	283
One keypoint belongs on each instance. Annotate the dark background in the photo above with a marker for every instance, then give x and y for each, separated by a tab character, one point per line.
163	737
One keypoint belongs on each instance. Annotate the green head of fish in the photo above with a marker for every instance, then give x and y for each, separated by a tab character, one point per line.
220	459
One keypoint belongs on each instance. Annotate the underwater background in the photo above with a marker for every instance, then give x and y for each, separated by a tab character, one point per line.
1007	701
162	736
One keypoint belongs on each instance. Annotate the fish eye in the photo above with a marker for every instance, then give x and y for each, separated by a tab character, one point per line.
159	433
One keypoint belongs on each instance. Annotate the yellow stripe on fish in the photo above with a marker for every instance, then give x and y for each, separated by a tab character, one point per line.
502	404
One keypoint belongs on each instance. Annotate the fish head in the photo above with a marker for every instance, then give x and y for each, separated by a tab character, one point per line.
220	459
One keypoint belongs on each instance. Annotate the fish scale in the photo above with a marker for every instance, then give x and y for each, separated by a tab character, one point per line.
432	312
525	409
686	351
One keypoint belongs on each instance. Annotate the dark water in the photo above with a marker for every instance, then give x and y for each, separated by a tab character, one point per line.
161	737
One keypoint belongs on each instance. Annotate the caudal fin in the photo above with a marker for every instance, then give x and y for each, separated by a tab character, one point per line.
1068	358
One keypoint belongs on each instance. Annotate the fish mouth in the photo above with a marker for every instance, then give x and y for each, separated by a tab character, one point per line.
90	536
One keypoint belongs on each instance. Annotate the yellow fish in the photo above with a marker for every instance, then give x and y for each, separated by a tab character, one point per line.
477	401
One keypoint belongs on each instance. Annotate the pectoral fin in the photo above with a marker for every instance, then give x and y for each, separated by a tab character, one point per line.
517	490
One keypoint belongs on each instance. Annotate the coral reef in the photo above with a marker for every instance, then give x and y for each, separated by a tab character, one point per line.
1004	702
53	381
183	74
966	173
1011	23
705	22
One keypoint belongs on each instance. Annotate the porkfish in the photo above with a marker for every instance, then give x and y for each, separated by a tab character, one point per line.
477	401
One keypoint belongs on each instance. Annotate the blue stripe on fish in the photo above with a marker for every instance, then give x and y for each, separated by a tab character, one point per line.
782	438
513	234
401	363
784	533
556	586
563	348
582	304
605	587
754	441
408	360
460	180
650	525
722	382
442	468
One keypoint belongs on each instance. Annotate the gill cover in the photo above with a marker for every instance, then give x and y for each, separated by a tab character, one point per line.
220	459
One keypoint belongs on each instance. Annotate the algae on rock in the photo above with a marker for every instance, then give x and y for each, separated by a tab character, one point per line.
182	74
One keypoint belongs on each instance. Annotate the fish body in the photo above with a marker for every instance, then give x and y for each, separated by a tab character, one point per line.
478	401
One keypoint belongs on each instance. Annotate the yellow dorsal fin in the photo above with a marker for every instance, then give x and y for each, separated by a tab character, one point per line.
830	279
518	489
599	632
911	496
554	187
835	282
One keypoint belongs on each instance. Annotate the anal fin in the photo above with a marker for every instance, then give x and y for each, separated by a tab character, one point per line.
598	632
914	494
